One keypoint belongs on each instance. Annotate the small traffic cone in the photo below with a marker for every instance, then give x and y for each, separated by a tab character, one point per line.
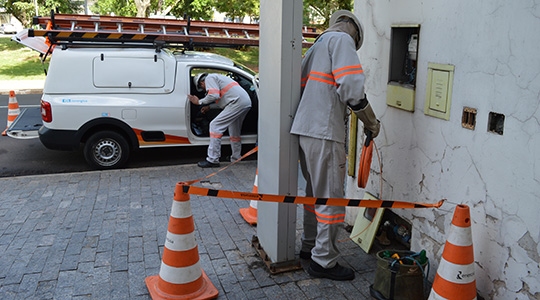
455	278
181	275
13	111
250	213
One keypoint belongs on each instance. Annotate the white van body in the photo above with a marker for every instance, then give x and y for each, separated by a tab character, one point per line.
112	101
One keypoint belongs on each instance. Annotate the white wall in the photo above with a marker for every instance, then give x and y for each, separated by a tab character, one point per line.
494	46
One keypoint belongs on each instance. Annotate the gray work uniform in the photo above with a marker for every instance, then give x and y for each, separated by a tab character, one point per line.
235	102
332	78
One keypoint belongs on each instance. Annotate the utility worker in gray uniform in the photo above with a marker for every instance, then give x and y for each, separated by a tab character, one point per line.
332	80
235	102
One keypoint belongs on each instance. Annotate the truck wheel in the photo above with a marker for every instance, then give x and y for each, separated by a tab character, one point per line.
106	150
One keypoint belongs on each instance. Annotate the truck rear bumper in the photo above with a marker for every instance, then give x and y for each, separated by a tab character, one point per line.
59	139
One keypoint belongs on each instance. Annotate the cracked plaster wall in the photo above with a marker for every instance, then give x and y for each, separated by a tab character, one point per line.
494	47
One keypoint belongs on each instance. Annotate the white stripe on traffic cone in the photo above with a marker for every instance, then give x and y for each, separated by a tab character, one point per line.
250	213
13	111
181	275
455	278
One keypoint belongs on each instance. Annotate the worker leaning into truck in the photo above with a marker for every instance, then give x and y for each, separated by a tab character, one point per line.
332	80
235	102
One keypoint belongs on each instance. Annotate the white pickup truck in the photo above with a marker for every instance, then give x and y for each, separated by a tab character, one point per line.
112	101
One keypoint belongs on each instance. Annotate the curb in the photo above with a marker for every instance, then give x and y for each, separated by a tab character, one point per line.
22	86
22	91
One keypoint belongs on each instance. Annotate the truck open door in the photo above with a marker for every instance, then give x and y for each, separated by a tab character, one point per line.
26	125
36	43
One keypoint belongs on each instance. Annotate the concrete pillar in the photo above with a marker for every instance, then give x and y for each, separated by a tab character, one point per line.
280	55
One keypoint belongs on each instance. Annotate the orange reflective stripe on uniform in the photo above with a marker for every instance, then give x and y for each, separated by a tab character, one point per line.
235	139
321	77
329	219
227	88
322	218
310	208
348	70
216	135
213	91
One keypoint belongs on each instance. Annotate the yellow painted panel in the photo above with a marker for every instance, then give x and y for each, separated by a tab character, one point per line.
439	90
400	96
366	224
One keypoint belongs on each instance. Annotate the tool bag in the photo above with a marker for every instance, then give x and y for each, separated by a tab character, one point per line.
400	275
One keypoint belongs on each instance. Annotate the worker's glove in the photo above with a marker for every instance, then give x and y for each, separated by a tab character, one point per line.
367	116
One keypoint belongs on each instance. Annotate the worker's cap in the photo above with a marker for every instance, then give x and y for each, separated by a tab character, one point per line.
197	81
347	16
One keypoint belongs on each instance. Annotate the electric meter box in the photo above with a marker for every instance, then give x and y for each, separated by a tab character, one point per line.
401	86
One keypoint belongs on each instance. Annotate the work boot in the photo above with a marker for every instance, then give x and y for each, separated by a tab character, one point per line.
336	273
207	164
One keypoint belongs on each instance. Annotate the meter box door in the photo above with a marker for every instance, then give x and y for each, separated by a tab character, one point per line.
439	90
401	86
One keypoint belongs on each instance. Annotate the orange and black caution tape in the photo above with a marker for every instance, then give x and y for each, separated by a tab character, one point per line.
188	188
194	190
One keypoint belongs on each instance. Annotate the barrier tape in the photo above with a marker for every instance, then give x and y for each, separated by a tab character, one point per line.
195	190
188	188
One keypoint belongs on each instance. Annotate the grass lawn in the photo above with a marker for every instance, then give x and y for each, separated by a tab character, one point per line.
249	56
18	62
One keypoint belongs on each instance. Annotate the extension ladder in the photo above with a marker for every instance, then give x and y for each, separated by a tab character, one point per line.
70	28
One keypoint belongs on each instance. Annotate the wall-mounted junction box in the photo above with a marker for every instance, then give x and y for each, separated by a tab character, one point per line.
401	86
439	90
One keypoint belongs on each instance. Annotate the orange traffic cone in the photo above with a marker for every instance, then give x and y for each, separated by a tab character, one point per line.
13	111
181	275
455	278
250	213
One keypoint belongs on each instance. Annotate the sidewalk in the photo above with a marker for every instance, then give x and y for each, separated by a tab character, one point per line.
98	235
21	86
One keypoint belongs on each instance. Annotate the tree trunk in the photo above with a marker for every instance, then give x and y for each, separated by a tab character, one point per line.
142	5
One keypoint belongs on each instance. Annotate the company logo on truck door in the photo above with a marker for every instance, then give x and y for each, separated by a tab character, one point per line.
74	101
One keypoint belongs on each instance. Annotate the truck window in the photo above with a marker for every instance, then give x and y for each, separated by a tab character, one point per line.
128	72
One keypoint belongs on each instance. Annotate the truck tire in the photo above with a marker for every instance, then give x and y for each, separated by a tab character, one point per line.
106	150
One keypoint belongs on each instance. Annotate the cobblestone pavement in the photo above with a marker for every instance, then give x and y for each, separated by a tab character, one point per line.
98	235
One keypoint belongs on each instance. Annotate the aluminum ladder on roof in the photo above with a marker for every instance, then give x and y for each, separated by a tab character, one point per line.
66	29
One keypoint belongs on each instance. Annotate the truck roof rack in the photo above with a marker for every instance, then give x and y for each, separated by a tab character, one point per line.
70	29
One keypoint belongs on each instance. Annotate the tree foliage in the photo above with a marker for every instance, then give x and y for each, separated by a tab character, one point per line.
319	11
25	10
315	11
237	9
125	8
198	9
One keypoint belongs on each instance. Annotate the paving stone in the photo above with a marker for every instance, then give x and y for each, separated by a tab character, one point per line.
69	262
119	286
233	290
45	290
99	235
28	285
136	277
119	263
274	292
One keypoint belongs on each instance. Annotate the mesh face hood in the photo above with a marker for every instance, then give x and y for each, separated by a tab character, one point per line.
346	21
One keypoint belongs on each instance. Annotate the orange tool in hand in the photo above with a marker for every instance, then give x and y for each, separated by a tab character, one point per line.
365	161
